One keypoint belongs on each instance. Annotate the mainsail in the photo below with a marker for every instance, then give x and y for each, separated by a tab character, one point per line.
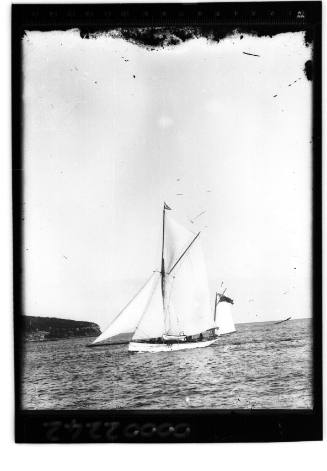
224	318
186	303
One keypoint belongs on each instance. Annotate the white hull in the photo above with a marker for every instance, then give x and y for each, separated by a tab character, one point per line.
143	347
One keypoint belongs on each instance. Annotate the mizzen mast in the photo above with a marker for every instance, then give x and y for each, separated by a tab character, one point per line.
217	302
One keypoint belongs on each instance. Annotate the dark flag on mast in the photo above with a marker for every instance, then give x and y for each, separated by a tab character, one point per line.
166	206
225	299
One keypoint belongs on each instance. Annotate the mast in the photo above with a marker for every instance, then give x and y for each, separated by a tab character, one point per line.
216	303
215	312
162	255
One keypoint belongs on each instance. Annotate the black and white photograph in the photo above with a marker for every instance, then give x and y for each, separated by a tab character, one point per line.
167	219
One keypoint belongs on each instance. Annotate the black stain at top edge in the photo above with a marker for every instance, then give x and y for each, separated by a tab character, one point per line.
160	37
161	25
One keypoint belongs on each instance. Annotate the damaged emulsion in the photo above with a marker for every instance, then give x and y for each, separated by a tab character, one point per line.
308	69
159	37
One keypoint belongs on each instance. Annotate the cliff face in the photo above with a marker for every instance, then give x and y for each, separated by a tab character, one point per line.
51	328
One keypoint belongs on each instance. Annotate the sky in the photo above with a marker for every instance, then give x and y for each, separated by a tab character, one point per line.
112	129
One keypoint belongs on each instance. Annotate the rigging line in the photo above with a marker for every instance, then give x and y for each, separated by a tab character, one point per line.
125	307
183	253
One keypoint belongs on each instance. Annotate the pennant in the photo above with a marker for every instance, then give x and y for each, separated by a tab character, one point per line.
166	206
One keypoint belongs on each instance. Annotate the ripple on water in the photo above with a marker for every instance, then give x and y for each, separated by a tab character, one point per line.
259	366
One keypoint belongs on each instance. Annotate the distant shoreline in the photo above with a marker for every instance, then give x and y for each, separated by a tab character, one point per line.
35	336
74	337
56	339
45	329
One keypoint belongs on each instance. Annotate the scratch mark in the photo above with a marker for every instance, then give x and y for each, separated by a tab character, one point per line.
196	217
250	54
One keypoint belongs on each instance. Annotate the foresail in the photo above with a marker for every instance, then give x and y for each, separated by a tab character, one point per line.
151	324
187	308
128	319
224	318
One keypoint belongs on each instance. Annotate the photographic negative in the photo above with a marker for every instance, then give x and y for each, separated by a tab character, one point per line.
166	217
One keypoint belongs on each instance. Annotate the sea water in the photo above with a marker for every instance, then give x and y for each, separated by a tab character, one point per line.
261	365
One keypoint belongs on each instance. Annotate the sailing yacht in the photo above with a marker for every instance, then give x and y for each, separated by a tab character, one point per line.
172	309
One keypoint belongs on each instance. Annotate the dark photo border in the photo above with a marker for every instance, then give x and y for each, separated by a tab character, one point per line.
149	426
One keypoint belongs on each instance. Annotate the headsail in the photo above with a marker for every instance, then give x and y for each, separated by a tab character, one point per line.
128	319
151	324
186	304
